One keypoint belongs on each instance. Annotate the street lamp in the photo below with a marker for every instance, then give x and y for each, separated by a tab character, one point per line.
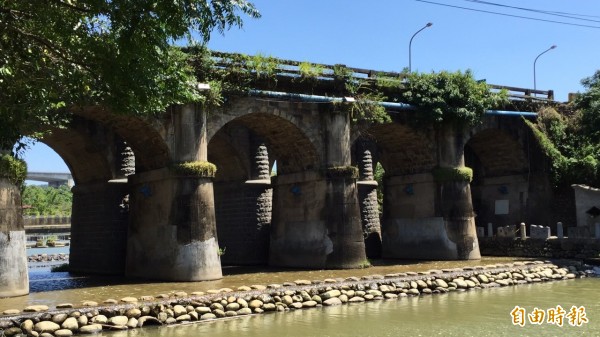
542	53
429	24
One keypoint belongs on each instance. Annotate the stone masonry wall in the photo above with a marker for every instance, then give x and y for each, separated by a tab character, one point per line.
550	248
99	228
242	227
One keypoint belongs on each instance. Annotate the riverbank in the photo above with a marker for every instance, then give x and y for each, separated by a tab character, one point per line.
181	307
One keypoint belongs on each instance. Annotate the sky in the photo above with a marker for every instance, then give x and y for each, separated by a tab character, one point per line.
375	35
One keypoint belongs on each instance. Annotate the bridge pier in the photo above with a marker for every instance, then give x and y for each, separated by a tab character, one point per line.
14	280
411	229
369	208
430	215
99	227
316	217
454	202
172	232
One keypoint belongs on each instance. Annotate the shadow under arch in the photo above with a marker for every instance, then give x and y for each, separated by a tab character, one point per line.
286	142
91	144
243	196
146	136
400	149
404	153
87	159
500	186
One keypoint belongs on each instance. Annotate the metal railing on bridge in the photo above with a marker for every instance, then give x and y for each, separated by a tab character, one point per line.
326	72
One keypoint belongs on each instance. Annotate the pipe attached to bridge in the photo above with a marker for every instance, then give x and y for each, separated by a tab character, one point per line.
389	105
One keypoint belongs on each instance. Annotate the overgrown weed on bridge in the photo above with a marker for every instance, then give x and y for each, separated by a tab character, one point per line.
13	169
570	138
439	98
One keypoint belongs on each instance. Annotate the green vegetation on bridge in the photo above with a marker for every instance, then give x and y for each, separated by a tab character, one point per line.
572	140
445	97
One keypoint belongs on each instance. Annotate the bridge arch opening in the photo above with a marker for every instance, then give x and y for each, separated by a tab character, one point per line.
46	201
500	186
99	161
395	162
245	151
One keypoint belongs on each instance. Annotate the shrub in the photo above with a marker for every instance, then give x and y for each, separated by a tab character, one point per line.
13	169
195	168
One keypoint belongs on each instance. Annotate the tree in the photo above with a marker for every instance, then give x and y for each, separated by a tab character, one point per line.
589	105
571	139
58	55
450	98
45	200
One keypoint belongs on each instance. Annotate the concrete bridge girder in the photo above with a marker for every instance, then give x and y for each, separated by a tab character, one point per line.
54	179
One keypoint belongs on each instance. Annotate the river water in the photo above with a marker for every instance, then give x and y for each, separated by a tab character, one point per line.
52	288
480	313
474	313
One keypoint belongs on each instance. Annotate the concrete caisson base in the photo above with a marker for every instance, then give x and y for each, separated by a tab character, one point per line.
344	224
422	239
299	235
316	223
14	280
172	232
457	209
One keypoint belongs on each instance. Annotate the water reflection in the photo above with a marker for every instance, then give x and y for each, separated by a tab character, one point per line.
483	313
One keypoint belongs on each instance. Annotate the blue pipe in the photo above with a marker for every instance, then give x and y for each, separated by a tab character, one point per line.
511	113
389	105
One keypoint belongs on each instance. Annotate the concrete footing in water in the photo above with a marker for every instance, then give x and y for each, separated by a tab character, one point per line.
131	312
14	280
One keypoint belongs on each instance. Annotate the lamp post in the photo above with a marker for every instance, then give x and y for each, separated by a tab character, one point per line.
534	62
429	24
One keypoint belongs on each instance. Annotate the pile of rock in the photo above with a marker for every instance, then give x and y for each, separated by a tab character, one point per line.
48	257
180	307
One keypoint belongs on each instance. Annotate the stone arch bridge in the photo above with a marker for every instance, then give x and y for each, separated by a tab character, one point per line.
152	221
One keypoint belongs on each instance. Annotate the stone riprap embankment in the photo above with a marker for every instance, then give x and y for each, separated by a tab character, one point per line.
179	307
48	257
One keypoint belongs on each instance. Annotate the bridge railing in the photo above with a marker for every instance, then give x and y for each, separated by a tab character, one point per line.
525	94
42	220
327	72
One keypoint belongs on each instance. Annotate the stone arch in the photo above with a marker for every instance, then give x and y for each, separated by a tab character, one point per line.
400	149
146	136
291	130
497	152
243	198
91	145
87	149
233	163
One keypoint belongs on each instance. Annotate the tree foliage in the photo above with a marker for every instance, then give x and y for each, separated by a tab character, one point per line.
45	200
60	54
450	98
13	169
572	141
